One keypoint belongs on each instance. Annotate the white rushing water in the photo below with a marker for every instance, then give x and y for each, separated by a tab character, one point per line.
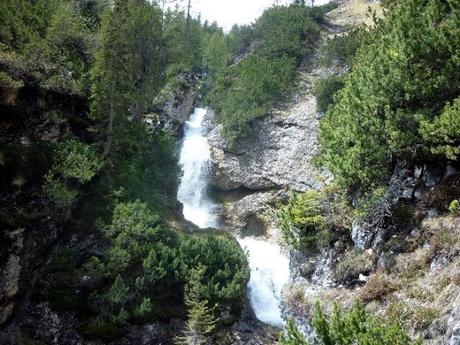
269	267
269	273
195	158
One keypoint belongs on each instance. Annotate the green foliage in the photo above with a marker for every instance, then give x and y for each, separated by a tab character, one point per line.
74	163
183	41
143	259
58	191
7	81
454	207
342	48
216	54
281	37
292	335
357	327
302	220
324	89
354	327
401	80
76	160
69	38
226	266
146	166
442	134
201	321
51	40
259	80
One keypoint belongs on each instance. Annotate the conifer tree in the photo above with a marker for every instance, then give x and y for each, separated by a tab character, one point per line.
110	76
145	34
201	320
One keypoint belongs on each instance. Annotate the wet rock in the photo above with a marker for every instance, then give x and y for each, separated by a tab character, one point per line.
361	234
455	337
210	120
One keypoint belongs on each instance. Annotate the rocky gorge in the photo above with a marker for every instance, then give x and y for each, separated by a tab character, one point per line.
399	258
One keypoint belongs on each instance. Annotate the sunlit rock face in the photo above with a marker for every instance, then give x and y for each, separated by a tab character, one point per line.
279	154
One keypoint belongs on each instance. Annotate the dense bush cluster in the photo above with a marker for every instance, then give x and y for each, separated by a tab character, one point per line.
353	327
144	259
75	163
150	272
324	90
303	222
399	100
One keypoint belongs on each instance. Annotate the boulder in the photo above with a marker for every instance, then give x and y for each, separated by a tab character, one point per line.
243	215
176	102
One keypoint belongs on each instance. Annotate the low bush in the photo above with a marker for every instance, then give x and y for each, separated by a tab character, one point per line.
352	264
454	207
342	48
146	268
302	220
7	81
74	163
353	327
377	287
324	89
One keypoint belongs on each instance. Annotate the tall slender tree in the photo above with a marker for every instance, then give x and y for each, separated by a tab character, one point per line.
110	73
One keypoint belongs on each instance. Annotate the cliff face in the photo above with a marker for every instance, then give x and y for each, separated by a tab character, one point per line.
277	158
30	222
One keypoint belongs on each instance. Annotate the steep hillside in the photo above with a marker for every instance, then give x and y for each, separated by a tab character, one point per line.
392	249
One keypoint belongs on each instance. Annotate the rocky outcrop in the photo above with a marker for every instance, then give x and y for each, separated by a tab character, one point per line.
279	154
173	106
453	333
276	158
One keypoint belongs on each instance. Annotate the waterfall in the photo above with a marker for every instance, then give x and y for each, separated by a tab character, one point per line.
195	159
269	267
269	273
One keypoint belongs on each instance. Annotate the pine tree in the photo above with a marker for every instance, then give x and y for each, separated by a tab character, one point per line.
292	335
145	50
110	76
201	320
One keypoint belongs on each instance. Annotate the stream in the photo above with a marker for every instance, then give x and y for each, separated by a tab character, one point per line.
269	267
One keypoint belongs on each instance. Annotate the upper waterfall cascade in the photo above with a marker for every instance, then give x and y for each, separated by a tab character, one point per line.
195	159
